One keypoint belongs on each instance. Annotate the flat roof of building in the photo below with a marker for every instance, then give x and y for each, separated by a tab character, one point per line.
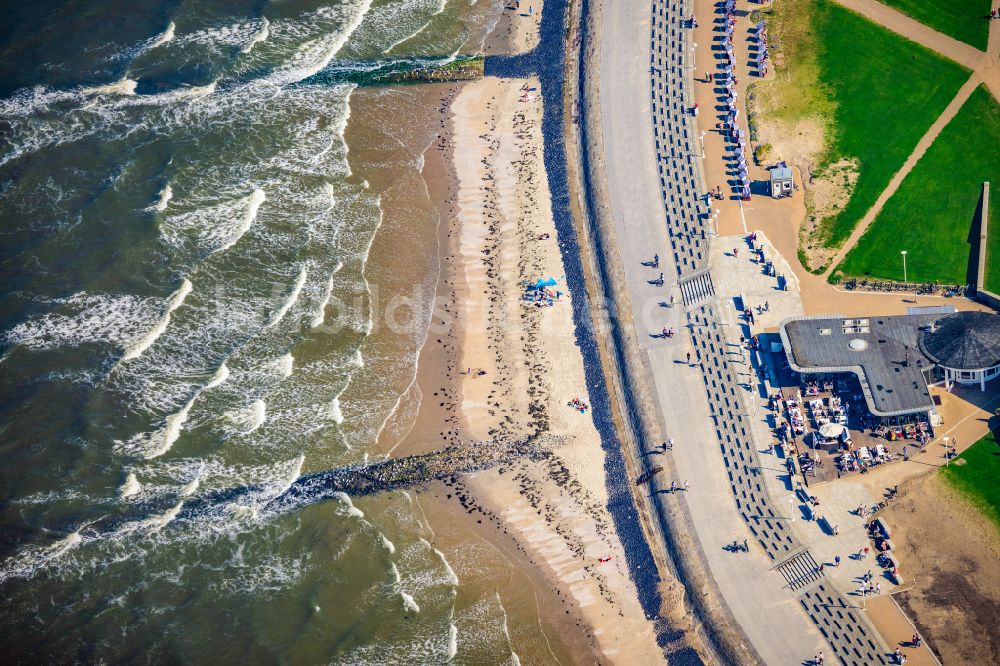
882	351
781	173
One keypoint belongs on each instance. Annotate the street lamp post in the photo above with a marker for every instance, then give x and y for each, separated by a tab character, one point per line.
903	252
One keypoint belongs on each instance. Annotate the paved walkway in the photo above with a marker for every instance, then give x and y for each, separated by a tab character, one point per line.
640	179
657	208
985	68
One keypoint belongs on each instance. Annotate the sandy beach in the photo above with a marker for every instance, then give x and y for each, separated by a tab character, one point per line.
498	368
517	29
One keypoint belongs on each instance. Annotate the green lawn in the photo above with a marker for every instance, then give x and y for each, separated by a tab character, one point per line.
979	478
931	214
887	91
961	19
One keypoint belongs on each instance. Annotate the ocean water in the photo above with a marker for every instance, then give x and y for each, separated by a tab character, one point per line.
188	248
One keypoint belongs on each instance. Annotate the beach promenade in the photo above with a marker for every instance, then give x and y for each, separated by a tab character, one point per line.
650	142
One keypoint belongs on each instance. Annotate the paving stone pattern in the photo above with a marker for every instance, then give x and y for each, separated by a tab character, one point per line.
675	134
853	640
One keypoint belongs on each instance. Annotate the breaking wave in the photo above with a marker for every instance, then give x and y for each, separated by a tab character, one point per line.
143	343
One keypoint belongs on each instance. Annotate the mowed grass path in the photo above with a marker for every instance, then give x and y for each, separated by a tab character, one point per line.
978	479
961	19
931	214
887	92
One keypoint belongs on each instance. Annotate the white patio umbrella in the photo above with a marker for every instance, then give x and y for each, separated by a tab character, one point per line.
831	430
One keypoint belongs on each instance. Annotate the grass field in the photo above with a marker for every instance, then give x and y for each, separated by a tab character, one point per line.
961	19
979	478
931	214
887	91
870	94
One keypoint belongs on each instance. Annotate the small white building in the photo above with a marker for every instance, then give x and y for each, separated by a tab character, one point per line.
781	182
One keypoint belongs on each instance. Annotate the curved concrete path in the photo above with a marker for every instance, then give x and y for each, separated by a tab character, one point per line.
985	68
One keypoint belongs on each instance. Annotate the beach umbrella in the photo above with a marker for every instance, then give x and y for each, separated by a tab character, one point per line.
831	430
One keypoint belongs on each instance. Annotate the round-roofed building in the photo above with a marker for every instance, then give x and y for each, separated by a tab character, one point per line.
966	345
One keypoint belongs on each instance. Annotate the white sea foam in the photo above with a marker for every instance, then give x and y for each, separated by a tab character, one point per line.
320	315
166	194
164	37
261	35
348	505
452	641
316	54
186	93
190	487
130	487
334	413
291	476
283	365
294	296
409	603
441	4
28	561
83	318
253	202
243	511
124	86
143	343
157	523
221	375
452	576
388	545
514	660
164	438
249	418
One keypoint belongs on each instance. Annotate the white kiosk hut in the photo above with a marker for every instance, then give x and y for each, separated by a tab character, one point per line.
966	345
781	182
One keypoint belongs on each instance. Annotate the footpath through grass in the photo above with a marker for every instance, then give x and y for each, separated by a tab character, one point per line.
961	19
887	92
978	479
932	213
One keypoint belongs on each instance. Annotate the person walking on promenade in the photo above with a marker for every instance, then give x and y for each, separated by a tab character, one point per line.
689	358
836	561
